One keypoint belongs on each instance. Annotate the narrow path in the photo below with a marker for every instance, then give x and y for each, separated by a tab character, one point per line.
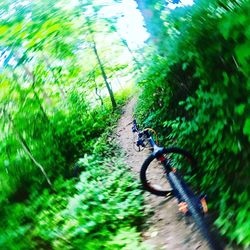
166	228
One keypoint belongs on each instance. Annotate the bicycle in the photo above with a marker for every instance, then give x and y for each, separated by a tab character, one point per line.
174	161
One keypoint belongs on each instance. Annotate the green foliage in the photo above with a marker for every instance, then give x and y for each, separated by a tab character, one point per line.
196	93
54	109
50	112
100	211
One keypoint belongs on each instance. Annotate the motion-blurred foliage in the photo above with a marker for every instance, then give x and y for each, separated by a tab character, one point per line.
54	107
197	94
100	211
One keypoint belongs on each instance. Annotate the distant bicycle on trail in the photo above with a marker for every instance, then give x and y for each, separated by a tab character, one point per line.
163	174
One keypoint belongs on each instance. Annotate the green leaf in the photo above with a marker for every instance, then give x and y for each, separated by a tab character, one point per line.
3	29
246	128
243	53
240	109
184	66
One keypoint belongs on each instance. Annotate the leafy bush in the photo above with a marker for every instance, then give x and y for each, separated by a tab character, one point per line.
55	75
200	93
51	83
100	211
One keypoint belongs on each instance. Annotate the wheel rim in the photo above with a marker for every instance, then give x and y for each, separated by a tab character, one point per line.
153	174
156	177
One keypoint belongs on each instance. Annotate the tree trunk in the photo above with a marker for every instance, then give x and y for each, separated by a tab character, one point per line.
96	91
28	151
111	94
32	76
139	66
124	42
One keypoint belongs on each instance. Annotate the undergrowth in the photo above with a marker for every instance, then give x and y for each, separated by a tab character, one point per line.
196	94
102	209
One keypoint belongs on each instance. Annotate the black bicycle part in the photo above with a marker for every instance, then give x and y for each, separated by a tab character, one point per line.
195	211
135	127
171	155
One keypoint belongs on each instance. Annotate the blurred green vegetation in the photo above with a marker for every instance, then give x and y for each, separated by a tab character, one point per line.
58	98
196	93
102	210
55	110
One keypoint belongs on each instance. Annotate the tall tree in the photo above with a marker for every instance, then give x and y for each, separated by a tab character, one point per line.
111	94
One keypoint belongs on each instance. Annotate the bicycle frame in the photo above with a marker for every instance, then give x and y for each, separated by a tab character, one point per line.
158	152
189	202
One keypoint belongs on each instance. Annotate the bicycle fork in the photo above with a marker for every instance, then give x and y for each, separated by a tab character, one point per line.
199	201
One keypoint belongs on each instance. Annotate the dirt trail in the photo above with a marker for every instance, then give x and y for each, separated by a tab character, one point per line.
166	228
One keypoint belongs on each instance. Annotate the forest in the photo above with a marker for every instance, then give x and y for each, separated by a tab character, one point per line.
67	68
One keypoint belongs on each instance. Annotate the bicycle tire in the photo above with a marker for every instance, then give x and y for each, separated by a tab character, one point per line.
144	176
196	214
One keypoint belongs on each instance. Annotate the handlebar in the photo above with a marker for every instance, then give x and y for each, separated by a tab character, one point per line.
135	126
142	136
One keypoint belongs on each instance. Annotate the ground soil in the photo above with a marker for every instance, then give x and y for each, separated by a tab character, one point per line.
165	227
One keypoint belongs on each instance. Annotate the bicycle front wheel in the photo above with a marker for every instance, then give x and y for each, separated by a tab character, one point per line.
153	173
